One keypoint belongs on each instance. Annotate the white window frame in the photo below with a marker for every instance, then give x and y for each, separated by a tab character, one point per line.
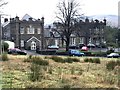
30	30
22	43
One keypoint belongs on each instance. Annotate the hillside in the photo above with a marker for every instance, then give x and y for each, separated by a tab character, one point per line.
112	20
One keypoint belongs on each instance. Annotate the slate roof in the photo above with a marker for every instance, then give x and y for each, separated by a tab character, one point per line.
26	17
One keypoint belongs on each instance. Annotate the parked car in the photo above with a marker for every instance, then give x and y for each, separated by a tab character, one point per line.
90	45
81	45
113	55
53	47
84	48
73	52
16	51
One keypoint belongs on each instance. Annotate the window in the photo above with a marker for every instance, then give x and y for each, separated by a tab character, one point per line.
22	43
38	30
21	30
73	41
30	30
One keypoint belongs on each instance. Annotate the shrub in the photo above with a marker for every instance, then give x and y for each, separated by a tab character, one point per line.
68	60
92	60
37	68
39	61
111	65
30	57
86	59
37	72
27	60
58	59
118	62
96	60
75	59
4	57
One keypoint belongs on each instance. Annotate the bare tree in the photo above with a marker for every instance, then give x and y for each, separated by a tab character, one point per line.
2	3
68	12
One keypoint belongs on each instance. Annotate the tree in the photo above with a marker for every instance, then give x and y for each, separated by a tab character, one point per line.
111	34
2	3
68	12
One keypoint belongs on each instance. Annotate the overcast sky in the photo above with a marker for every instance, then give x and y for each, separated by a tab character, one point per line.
47	8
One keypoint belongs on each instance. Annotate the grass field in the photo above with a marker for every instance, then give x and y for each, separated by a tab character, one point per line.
16	73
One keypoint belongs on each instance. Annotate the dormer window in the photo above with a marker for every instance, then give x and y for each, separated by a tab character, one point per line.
30	30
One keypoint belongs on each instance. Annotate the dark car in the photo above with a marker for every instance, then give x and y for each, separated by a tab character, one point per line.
81	45
16	51
73	47
73	52
53	47
113	55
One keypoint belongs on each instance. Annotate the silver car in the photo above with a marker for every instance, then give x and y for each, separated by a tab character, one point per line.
113	55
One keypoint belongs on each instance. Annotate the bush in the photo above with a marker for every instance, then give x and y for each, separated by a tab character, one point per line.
4	57
68	60
39	61
58	59
27	60
92	60
88	60
37	68
34	75
96	60
111	65
75	59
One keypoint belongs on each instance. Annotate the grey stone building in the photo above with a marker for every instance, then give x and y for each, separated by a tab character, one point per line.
27	33
87	32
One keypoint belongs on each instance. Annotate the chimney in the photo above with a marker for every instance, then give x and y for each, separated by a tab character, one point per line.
42	19
6	19
30	19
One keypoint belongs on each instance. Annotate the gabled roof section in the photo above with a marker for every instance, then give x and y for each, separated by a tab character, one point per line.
32	38
26	17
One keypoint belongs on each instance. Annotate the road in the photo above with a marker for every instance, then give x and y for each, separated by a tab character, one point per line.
29	52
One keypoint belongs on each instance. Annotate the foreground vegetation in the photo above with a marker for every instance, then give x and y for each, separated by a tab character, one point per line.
60	72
